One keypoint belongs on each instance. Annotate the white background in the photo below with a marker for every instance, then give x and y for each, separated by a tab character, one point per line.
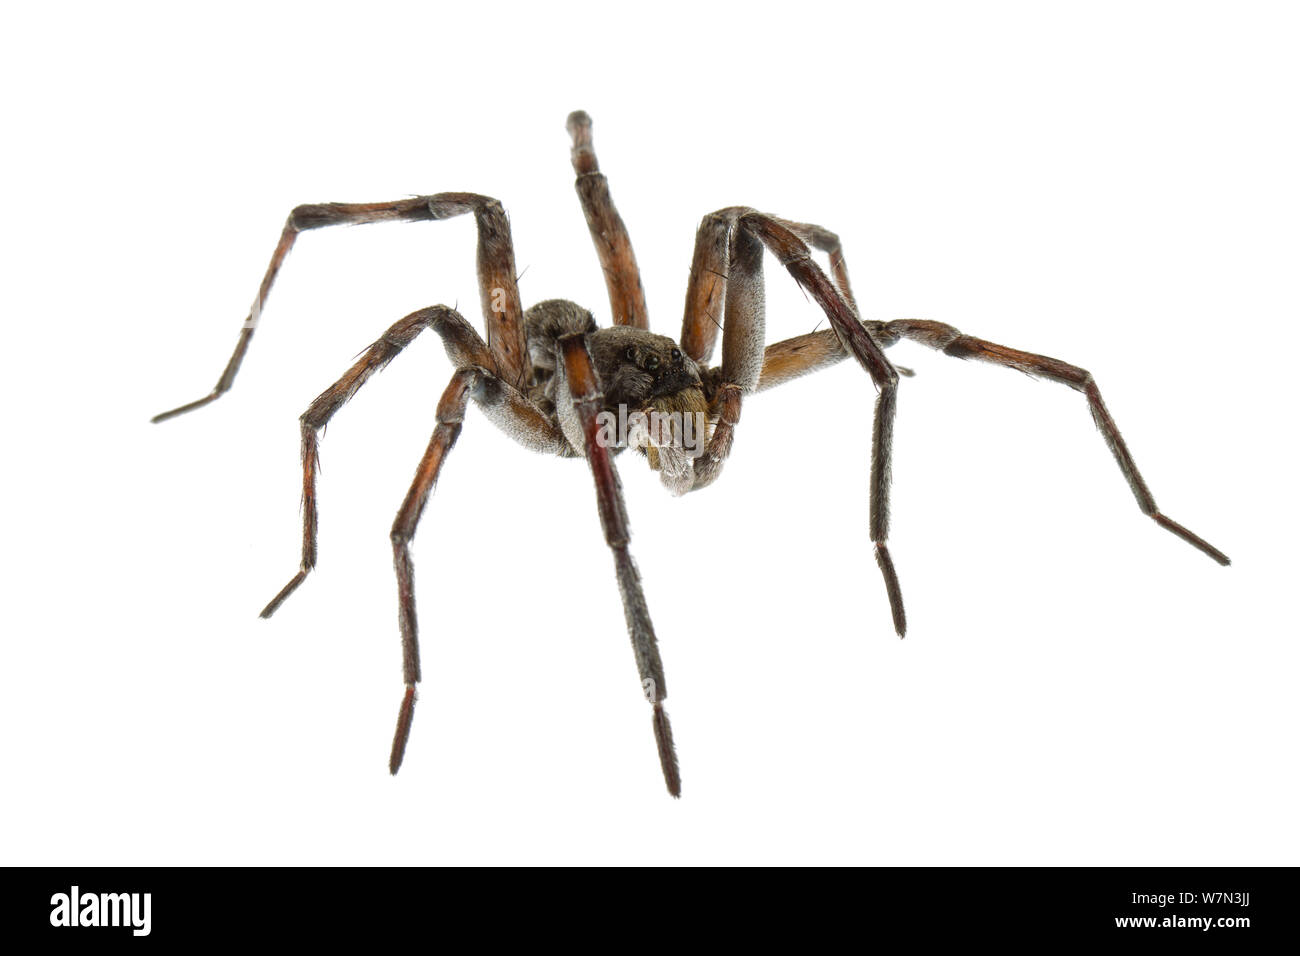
1111	184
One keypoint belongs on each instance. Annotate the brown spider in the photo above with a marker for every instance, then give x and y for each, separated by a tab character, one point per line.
554	382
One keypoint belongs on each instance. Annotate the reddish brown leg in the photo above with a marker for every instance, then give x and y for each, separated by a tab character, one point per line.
496	266
952	342
823	240
782	242
501	403
706	289
613	245
451	413
793	357
800	355
321	411
588	401
742	345
738	235
783	361
706	292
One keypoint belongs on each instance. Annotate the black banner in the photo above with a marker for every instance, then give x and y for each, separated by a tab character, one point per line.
1229	906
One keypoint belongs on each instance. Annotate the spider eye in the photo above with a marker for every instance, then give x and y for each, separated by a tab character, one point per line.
651	363
629	353
677	355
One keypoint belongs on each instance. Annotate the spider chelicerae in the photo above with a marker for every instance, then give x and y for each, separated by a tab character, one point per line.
555	382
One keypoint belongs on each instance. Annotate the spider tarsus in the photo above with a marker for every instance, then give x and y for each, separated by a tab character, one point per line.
579	124
891	587
583	154
182	409
667	753
404	716
1196	541
285	591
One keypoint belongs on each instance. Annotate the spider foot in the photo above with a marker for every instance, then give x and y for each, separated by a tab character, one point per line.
404	716
667	753
1196	541
284	593
891	587
187	407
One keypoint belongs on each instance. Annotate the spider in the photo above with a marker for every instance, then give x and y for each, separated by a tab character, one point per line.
554	381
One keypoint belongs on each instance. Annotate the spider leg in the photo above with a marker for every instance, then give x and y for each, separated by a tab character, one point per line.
823	240
728	256
608	233
500	402
451	413
708	282
706	290
744	321
782	242
793	357
782	361
801	354
798	356
498	289
583	387
503	404
318	414
952	342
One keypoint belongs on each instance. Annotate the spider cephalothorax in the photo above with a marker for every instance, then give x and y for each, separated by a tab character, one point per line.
556	383
652	395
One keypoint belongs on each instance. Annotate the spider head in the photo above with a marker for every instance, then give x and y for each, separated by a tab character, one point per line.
652	385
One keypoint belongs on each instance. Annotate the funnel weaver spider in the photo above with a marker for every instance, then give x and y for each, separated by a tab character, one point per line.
549	377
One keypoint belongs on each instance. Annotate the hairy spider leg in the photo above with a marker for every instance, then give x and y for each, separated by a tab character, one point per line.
727	266
451	413
951	341
583	386
608	233
498	288
500	402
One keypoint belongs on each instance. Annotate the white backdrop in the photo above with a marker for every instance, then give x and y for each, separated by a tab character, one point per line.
1111	184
